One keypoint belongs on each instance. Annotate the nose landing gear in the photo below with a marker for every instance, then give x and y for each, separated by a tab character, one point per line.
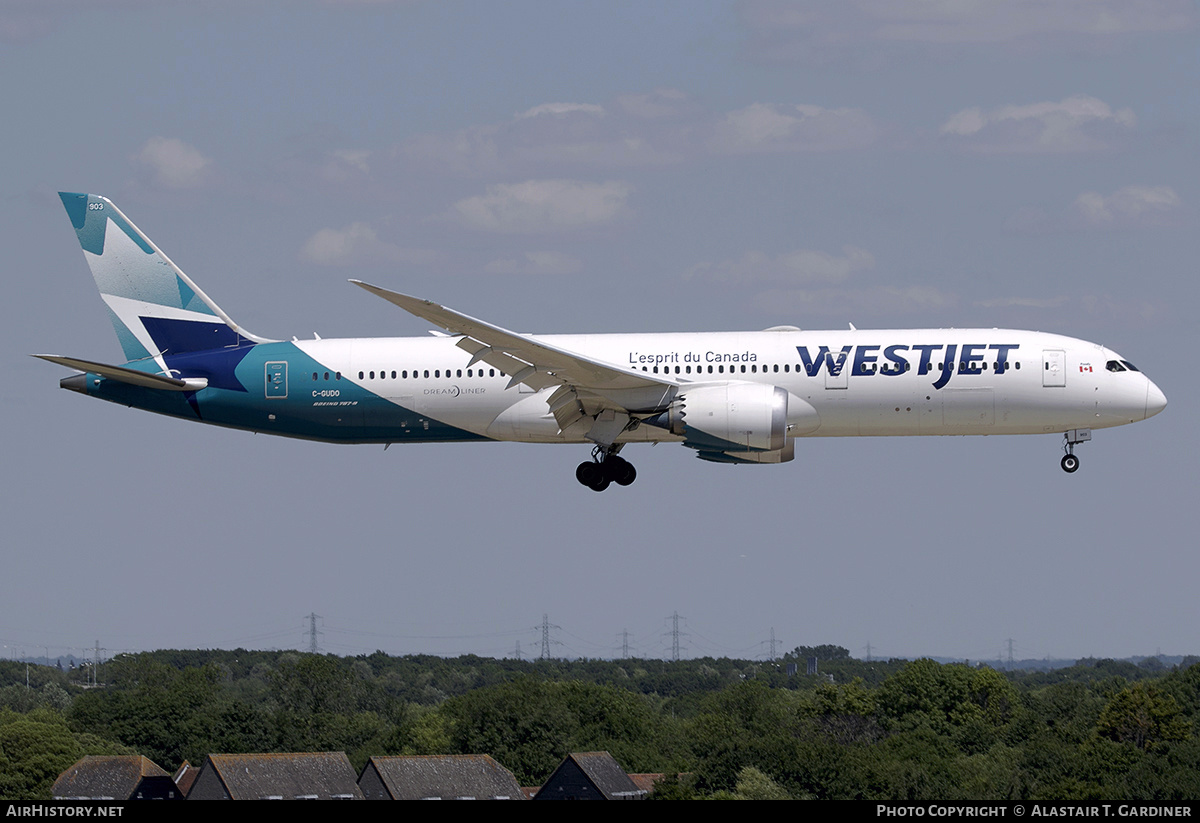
605	468
1070	463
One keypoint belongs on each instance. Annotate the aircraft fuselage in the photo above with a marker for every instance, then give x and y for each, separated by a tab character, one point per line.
859	383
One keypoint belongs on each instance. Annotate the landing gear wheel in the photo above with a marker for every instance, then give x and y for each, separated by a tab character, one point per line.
619	470
592	475
587	472
1069	463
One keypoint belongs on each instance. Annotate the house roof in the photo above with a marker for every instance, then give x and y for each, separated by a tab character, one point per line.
304	774
105	776
446	776
603	770
185	777
646	782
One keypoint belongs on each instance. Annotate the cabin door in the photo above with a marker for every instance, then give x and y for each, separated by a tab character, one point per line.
275	374
1054	367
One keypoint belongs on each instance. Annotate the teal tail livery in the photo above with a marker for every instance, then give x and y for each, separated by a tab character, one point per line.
732	397
153	305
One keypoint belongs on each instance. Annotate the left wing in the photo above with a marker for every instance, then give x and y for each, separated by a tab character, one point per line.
586	387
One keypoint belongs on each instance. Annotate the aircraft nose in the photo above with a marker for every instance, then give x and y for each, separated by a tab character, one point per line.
1156	401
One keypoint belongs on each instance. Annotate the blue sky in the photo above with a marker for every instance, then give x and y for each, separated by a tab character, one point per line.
593	167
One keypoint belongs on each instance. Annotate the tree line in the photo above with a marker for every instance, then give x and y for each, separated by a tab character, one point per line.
878	730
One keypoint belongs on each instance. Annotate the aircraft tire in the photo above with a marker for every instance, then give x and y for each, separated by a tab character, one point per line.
587	472
622	472
1070	463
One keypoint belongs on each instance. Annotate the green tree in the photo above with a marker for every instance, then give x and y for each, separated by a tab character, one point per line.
1144	716
754	785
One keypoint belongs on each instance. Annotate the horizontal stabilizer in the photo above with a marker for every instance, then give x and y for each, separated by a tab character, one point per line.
130	376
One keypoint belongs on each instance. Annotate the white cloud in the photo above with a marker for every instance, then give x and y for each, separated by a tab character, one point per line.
346	165
851	303
560	109
1022	302
1126	208
659	128
572	134
22	22
536	262
1131	205
1103	311
767	127
173	164
1079	123
782	30
544	205
800	266
938	21
662	102
357	244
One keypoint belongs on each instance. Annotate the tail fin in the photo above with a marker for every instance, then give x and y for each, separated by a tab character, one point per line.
155	308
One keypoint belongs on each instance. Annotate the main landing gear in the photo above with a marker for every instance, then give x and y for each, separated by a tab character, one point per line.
604	468
1070	463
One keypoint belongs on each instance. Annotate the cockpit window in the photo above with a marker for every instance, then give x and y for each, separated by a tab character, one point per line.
1129	365
1113	365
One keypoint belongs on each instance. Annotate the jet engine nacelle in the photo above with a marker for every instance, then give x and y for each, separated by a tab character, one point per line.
742	417
784	455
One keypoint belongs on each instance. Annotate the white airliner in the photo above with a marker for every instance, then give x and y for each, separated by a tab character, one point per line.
734	397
